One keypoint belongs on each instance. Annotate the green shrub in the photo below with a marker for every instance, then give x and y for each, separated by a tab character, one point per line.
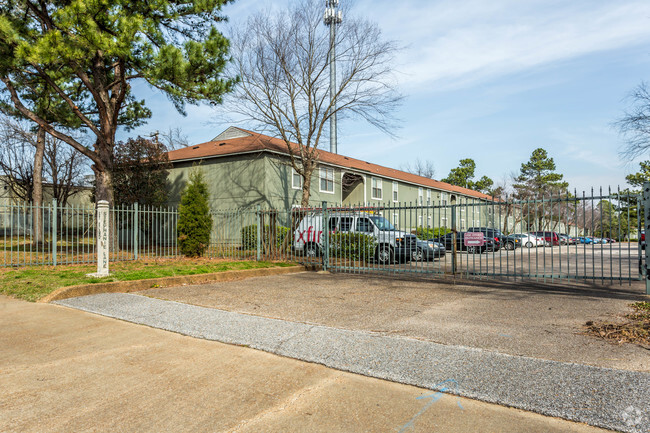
354	246
194	219
430	233
249	236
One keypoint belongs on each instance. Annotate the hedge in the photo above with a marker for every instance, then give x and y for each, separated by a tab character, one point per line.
249	236
354	246
430	233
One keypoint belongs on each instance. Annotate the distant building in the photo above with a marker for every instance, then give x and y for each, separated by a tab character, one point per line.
244	168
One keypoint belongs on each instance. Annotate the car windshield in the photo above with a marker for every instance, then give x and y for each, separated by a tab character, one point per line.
382	223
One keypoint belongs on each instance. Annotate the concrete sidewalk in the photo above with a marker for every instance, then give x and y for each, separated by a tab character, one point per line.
615	399
67	370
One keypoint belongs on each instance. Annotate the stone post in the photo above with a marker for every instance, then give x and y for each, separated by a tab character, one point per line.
102	240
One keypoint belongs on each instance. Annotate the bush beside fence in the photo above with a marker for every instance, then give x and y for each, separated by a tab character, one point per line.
353	246
249	236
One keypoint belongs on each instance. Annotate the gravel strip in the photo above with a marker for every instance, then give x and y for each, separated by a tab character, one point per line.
614	399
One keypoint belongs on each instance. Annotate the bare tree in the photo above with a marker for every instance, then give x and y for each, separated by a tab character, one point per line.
172	138
420	167
282	61
63	167
635	124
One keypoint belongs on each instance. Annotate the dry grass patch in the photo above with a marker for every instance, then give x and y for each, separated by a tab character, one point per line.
635	329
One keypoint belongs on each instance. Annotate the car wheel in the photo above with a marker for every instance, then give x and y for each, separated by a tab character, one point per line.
312	250
417	255
473	250
509	246
529	244
384	254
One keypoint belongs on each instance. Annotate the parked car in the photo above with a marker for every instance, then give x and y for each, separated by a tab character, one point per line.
530	241
390	243
491	233
511	242
427	251
447	241
551	238
585	240
642	240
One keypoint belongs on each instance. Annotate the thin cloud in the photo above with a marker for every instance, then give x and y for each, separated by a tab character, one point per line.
454	44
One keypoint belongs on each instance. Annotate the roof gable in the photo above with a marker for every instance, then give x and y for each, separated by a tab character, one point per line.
231	132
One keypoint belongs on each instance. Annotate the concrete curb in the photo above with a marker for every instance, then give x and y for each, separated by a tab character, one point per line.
137	285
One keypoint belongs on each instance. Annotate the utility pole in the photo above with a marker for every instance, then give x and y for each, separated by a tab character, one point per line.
333	16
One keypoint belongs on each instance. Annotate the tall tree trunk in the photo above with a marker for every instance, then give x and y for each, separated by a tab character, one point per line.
306	187
37	195
104	191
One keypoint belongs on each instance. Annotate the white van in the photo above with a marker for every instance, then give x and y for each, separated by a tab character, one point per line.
391	243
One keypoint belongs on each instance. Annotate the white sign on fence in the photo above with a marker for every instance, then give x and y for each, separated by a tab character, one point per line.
472	239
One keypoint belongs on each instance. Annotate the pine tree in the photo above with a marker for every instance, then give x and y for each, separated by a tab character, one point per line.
537	179
88	56
194	219
463	175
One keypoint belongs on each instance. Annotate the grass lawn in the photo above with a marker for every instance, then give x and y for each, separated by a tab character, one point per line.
34	282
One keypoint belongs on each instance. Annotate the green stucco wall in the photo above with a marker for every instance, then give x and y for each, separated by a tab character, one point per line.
244	181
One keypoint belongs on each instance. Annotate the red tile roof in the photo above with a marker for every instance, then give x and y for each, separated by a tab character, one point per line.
260	142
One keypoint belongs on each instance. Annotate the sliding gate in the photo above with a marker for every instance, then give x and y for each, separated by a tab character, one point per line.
592	237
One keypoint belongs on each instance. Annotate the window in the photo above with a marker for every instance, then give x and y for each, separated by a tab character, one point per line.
419	220
443	199
346	224
395	219
334	222
462	224
327	180
395	191
364	225
443	222
428	197
376	188
296	180
420	196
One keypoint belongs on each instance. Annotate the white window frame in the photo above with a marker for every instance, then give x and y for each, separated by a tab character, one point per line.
420	196
294	173
443	199
395	219
323	174
443	222
419	220
428	197
395	192
376	181
462	224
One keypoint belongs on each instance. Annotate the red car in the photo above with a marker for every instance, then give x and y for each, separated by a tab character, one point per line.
551	238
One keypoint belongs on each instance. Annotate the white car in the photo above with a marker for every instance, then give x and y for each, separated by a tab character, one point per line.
529	240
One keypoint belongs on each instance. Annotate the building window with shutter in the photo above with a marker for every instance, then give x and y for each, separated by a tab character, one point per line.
395	199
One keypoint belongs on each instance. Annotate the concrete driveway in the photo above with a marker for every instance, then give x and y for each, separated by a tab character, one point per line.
535	320
67	370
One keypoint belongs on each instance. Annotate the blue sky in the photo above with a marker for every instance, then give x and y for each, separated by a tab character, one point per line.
490	81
